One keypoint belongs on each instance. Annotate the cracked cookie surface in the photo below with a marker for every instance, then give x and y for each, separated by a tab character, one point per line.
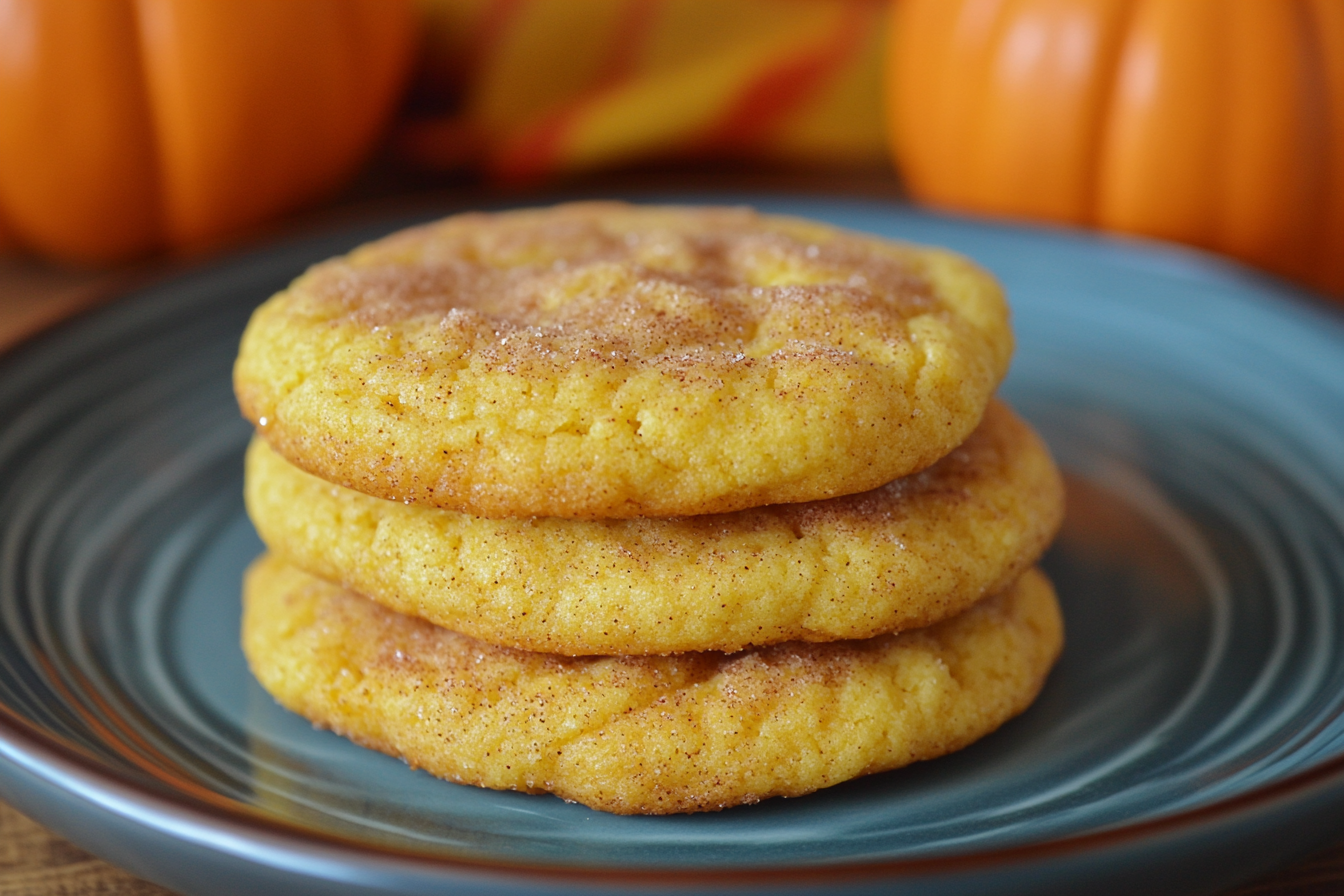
601	360
649	735
905	555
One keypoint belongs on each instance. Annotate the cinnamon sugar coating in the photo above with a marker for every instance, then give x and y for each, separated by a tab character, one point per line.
609	361
901	556
649	735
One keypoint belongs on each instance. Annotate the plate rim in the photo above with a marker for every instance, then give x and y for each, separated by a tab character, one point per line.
57	764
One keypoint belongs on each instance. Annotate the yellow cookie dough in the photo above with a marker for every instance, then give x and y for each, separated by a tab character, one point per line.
646	735
901	556
602	360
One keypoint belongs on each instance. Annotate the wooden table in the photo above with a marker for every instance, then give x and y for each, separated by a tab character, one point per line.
36	862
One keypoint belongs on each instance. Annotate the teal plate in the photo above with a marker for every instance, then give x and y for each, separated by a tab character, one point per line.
1190	737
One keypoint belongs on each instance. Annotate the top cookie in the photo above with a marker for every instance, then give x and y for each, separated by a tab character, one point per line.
601	360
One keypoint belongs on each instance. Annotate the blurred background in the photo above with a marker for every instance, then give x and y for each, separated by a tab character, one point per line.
141	133
140	130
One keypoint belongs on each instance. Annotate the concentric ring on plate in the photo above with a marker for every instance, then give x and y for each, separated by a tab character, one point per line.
601	360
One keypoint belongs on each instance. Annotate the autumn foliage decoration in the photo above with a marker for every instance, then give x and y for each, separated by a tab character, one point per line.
1213	122
128	126
537	88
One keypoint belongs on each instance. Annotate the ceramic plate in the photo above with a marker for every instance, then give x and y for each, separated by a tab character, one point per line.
1190	736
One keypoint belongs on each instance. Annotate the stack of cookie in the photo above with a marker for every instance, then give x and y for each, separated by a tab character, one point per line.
656	509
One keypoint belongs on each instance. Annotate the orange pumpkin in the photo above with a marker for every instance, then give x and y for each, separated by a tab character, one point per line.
1213	122
127	126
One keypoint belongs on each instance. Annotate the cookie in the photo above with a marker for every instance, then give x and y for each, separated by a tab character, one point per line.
648	735
901	556
603	360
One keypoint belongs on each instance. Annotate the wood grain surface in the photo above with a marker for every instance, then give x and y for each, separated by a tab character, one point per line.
36	862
